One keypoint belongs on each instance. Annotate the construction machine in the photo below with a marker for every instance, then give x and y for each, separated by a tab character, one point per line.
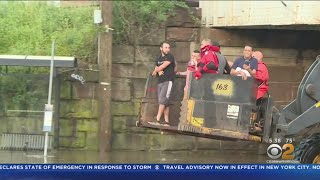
224	107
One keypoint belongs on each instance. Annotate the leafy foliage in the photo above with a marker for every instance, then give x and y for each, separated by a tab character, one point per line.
28	92
29	28
134	20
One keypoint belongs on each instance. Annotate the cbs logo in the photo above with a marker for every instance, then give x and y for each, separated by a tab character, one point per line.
275	151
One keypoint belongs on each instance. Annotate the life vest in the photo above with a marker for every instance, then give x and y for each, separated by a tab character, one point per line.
209	62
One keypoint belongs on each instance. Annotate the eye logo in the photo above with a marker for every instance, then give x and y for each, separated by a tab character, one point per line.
274	151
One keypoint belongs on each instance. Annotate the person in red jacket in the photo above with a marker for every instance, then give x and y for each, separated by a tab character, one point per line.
262	75
209	62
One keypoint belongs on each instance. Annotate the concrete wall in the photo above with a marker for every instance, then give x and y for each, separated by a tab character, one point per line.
78	123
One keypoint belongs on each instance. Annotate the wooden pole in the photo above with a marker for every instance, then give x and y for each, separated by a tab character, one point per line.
104	87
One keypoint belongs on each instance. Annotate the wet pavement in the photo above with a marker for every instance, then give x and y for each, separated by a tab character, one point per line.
134	157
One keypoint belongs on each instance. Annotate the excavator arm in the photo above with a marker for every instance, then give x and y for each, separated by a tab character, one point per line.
304	111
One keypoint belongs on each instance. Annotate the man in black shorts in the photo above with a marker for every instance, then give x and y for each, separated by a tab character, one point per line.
165	70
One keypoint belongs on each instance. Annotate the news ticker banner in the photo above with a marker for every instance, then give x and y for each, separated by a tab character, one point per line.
158	171
159	167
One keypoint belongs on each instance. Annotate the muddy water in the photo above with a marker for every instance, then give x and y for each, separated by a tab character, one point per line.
132	157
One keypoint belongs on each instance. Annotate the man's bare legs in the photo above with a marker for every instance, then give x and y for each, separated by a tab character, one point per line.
163	110
166	114
160	111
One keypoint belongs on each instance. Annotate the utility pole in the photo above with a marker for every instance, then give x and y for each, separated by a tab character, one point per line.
104	87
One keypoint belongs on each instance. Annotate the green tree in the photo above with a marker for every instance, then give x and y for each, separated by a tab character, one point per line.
133	20
29	28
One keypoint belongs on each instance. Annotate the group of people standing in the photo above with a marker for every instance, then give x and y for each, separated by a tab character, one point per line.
208	60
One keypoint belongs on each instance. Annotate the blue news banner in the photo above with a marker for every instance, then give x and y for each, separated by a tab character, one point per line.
158	171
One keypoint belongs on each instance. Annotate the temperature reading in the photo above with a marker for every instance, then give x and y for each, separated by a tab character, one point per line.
289	140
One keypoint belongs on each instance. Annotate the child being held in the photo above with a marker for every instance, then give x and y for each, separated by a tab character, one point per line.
192	67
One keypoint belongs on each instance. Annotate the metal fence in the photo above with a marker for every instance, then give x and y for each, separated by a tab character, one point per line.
23	142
